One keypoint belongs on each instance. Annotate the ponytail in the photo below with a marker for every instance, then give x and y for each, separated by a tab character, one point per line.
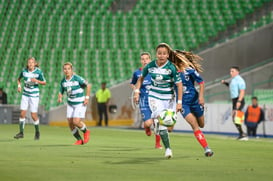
193	59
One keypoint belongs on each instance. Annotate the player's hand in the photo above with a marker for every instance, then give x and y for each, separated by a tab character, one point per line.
178	107
34	80
223	81
19	89
60	100
201	101
136	97
85	102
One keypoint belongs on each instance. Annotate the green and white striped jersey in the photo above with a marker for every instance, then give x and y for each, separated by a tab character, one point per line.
164	79
31	89
74	89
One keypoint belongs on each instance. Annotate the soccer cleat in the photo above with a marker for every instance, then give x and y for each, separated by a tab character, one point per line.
168	153
86	136
156	127
208	152
243	137
37	135
19	135
148	131
78	142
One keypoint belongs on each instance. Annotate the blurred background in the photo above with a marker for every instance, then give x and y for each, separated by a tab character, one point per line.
104	38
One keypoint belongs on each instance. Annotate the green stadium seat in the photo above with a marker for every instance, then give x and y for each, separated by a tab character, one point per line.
50	31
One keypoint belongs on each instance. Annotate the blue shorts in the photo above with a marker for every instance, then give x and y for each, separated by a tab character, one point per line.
145	109
196	109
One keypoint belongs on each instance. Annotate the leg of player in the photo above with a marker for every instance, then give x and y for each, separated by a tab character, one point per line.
80	124
22	120
75	132
191	119
147	125
36	122
201	122
164	134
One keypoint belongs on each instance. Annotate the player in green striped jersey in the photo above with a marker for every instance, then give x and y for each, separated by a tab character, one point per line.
77	101
32	76
161	94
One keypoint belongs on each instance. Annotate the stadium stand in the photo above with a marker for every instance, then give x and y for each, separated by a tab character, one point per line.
104	45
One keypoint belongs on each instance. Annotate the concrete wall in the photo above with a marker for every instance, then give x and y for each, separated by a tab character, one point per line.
244	51
218	120
255	78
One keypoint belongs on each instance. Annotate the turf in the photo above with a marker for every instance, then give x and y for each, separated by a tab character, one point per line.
122	154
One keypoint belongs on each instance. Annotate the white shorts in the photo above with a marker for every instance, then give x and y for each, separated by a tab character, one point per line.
29	102
157	106
76	111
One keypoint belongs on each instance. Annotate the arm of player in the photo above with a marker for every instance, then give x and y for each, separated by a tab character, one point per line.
179	96
201	99
87	94
137	87
133	86
60	98
19	88
38	81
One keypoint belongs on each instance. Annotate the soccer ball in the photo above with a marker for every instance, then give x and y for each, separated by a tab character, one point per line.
167	118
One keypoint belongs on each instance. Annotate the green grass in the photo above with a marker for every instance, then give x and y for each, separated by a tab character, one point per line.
121	154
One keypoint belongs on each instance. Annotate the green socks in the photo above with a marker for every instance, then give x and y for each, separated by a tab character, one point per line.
22	124
165	138
36	125
36	128
76	134
83	129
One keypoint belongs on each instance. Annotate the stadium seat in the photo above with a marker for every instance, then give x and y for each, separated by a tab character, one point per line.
103	44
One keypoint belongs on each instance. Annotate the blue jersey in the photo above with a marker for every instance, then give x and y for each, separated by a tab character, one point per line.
190	102
145	87
190	94
144	92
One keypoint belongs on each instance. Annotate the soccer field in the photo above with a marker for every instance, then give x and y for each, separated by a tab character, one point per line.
122	154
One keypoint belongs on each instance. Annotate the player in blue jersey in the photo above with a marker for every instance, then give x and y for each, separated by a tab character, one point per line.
164	76
77	100
33	77
145	110
192	101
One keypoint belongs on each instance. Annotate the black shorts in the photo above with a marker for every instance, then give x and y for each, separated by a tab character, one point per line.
234	101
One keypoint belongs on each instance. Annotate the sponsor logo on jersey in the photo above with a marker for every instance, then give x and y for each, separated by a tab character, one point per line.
69	84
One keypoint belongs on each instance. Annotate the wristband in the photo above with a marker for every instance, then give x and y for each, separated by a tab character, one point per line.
136	91
86	97
239	101
19	85
179	102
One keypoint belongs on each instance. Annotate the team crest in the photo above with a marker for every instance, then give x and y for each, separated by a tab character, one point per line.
168	71
187	78
159	77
